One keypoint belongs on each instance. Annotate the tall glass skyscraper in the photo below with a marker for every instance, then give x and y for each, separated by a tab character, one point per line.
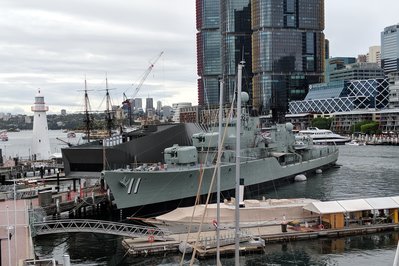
281	42
287	51
209	67
390	49
223	40
236	44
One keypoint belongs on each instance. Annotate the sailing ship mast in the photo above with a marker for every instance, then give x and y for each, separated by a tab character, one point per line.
108	111
88	121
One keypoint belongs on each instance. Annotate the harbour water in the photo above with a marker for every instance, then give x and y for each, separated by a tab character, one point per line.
19	143
366	171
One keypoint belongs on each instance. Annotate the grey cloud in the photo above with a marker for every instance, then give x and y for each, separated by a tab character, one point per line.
53	45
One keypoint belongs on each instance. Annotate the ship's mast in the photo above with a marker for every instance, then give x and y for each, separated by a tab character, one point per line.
238	164
88	121
108	118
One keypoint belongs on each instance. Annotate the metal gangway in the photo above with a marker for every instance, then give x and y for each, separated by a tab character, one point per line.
99	226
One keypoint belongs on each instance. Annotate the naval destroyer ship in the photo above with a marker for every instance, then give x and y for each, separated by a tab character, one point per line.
267	155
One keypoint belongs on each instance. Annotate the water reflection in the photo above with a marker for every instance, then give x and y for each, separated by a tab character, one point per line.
366	171
96	249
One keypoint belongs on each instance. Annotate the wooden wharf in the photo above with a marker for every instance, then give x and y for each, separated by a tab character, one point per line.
15	216
75	203
17	168
270	233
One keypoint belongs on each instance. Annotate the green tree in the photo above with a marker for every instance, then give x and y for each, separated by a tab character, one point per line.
370	128
321	122
358	126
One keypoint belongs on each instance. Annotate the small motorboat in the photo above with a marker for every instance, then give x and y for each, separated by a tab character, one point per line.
356	143
3	136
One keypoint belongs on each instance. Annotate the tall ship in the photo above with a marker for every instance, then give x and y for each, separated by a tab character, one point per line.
266	154
143	143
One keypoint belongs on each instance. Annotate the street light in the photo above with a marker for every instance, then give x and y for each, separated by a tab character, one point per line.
9	237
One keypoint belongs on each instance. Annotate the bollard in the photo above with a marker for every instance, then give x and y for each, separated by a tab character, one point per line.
57	204
66	260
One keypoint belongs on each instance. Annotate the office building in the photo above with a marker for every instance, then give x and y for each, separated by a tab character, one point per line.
167	112
336	63
387	119
282	45
209	67
390	49
374	55
326	49
288	52
189	114
357	71
223	41
137	104
149	105
394	95
159	107
344	96
176	110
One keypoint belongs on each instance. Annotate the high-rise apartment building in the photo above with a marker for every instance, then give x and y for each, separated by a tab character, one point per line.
288	51
326	49
223	41
374	55
390	49
357	71
159	107
336	63
137	103
149	105
281	42
209	67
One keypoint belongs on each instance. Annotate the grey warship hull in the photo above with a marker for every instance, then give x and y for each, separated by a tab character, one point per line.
154	192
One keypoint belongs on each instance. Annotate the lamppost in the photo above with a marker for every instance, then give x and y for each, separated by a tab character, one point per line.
9	235
5	152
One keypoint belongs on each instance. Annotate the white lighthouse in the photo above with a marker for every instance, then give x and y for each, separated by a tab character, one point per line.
40	139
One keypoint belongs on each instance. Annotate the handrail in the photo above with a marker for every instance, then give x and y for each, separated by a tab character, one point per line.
98	226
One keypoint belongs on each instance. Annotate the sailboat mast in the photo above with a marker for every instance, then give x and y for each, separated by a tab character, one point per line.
238	161
218	173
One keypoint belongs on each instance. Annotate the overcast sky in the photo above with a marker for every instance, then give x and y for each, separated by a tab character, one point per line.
54	45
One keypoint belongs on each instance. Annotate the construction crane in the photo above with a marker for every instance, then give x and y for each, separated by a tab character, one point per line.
126	100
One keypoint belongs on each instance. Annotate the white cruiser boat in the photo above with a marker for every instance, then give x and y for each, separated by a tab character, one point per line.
323	136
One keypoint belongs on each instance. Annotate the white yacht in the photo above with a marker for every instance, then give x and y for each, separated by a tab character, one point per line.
324	136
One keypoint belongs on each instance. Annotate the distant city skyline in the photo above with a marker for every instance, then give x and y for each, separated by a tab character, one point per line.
54	46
